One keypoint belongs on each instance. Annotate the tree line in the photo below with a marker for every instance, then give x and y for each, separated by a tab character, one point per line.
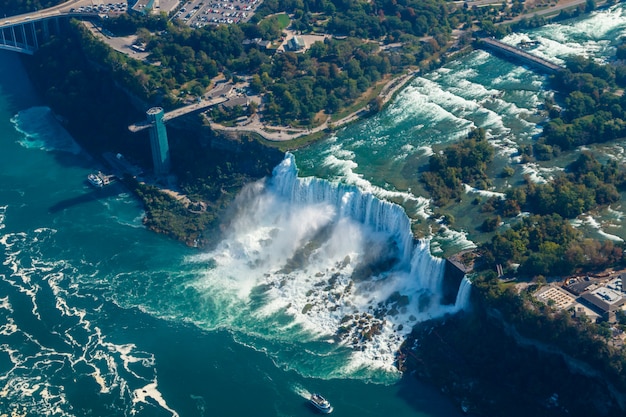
328	77
594	106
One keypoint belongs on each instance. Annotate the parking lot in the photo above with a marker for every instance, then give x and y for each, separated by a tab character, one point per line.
103	8
198	13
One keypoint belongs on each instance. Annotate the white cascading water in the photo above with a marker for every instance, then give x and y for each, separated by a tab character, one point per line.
463	296
342	264
350	202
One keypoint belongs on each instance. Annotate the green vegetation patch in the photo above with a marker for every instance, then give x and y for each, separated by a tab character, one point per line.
462	163
272	26
283	20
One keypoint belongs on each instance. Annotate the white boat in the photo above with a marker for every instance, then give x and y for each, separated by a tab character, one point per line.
95	180
321	403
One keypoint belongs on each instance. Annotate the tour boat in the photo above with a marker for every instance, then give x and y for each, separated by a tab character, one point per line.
95	180
321	403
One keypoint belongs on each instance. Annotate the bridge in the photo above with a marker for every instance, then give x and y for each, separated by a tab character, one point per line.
519	54
20	33
181	111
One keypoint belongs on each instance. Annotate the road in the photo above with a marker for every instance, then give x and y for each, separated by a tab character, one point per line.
283	133
57	10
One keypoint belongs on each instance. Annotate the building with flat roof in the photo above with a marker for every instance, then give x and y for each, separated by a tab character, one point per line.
158	141
605	301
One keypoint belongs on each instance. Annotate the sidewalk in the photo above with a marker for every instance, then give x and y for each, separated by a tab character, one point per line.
285	133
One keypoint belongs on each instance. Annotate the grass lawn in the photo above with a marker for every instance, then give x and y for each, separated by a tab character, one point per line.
281	20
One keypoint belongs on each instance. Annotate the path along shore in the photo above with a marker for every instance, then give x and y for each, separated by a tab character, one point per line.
284	133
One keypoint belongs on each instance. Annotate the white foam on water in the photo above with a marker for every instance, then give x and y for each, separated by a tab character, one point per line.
338	150
510	77
598	31
427	98
3	211
463	103
141	395
471	91
426	150
617	215
39	370
505	146
595	224
345	171
458	238
599	25
486	193
539	174
43	131
8	328
479	57
406	150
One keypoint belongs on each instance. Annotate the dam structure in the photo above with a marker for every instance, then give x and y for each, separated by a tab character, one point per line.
518	54
158	141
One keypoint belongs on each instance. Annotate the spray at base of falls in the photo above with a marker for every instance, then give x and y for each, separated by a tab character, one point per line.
328	262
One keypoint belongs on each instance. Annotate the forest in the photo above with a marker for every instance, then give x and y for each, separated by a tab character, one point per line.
544	243
594	106
329	77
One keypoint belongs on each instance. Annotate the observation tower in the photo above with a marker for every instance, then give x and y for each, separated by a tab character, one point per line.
158	141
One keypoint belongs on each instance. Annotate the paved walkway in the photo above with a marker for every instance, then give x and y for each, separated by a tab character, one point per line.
284	133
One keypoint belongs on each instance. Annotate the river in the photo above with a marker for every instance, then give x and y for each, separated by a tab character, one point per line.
99	316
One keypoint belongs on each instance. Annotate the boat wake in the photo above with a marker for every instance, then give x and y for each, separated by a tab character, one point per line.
301	391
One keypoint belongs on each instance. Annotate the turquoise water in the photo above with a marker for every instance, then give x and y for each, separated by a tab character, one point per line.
383	154
99	316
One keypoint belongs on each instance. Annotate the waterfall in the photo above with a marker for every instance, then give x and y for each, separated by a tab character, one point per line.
428	269
328	259
382	216
349	202
463	296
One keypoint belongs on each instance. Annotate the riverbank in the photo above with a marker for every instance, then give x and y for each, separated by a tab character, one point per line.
208	167
275	133
284	133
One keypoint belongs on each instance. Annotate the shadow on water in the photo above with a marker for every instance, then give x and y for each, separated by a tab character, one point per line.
426	399
95	194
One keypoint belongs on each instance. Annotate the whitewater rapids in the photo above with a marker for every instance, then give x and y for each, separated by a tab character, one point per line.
307	259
